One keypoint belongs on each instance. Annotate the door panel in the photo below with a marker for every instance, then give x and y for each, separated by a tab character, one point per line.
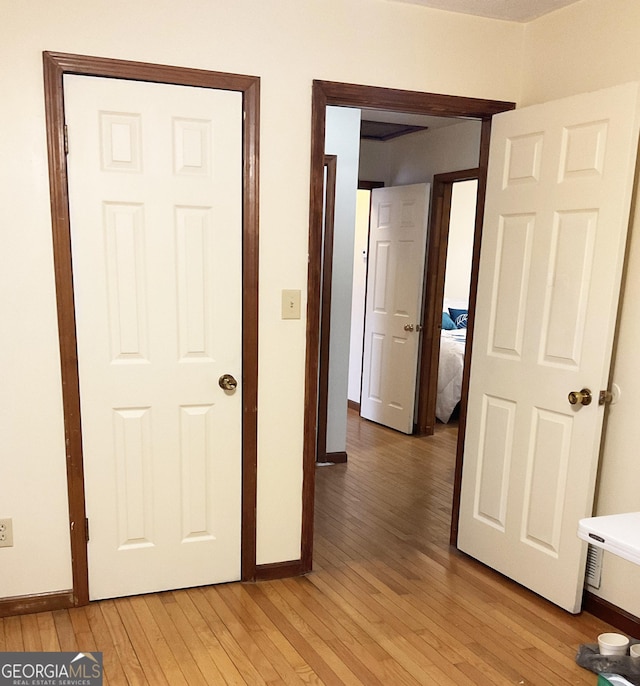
397	241
557	208
155	183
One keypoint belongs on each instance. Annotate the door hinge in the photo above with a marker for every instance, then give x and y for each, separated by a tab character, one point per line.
86	528
66	140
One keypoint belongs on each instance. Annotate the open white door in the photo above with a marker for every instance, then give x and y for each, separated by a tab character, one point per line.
395	274
155	189
558	196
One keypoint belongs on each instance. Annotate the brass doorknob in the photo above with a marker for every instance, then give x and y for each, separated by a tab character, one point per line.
408	327
227	382
582	397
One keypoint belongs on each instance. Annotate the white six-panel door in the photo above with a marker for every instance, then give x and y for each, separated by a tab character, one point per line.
155	183
395	275
557	209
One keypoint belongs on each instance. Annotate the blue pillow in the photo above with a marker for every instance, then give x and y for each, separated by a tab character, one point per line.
447	322
459	317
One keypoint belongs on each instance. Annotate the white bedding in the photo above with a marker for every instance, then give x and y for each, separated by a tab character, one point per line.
450	372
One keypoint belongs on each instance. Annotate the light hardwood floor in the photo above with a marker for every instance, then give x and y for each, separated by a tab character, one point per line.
389	602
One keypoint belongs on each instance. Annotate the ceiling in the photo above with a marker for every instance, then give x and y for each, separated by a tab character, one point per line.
385	131
510	10
429	121
411	122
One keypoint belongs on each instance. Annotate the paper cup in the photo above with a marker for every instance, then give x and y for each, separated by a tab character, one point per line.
613	644
634	651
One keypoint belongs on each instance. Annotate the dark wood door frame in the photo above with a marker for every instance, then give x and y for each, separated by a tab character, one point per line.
56	65
330	165
351	95
436	262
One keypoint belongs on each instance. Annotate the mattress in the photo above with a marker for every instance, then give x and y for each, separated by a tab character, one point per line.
450	368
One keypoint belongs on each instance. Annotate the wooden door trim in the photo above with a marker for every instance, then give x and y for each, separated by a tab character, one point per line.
352	95
331	165
56	65
436	263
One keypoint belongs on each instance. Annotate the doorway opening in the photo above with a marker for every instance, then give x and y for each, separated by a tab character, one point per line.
448	272
366	97
451	233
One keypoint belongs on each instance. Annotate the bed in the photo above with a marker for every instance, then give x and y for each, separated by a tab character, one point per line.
450	368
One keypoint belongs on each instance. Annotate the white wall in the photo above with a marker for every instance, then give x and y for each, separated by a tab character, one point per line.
591	45
415	158
342	138
287	43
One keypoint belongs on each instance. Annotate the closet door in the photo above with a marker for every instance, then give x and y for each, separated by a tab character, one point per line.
155	188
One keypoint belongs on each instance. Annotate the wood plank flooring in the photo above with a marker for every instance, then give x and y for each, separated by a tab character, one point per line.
388	603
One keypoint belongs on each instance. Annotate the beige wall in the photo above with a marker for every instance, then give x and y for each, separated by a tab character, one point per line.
591	45
287	43
462	224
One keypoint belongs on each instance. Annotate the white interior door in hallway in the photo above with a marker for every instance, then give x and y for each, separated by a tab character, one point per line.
155	184
393	305
559	188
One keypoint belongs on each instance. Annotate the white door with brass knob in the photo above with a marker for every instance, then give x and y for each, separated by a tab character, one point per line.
558	194
155	182
395	274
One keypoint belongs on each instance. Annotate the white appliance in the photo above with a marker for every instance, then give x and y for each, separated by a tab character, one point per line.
618	533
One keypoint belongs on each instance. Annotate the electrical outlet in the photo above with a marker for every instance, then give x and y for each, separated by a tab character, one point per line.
6	533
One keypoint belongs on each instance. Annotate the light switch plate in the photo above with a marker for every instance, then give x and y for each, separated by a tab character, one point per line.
291	304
